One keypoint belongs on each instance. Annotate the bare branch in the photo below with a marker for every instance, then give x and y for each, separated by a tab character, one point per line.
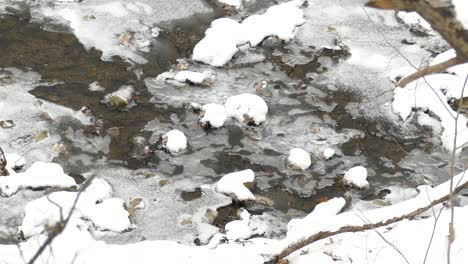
347	229
437	68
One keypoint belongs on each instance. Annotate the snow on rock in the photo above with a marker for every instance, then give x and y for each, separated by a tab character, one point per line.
432	93
328	153
213	115
239	229
204	78
232	184
93	204
108	215
299	158
237	4
120	98
248	108
39	175
174	141
96	87
14	161
399	194
221	41
357	177
413	19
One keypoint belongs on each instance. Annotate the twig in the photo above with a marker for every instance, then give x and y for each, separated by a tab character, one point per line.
60	226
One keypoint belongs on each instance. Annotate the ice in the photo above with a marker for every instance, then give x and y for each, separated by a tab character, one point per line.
214	115
174	141
299	158
221	41
247	108
96	87
413	19
356	176
117	27
232	184
39	175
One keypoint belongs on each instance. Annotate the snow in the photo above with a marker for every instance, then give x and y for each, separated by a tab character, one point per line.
174	141
96	87
94	204
299	158
356	176
237	4
413	19
110	209
117	27
225	35
194	77
232	184
122	97
328	153
39	175
239	229
247	107
14	161
460	8
432	93
213	115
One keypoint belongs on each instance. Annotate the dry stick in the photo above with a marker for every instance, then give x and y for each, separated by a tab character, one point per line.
452	173
437	68
60	226
347	229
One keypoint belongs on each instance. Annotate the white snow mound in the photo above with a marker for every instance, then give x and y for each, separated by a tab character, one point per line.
299	158
357	177
247	108
214	115
232	184
174	141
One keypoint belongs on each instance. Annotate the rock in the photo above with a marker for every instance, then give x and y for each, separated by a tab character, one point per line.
7	124
174	141
247	108
120	98
357	177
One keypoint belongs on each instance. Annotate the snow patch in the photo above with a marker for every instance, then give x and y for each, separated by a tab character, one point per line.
357	177
232	184
247	108
213	115
299	158
174	141
222	40
39	175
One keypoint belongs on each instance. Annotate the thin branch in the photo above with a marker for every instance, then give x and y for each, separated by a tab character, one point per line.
437	68
60	226
347	229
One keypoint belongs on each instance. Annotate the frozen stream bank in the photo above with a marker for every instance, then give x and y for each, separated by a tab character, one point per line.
102	109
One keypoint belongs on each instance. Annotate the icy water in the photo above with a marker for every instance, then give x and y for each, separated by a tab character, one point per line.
302	113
